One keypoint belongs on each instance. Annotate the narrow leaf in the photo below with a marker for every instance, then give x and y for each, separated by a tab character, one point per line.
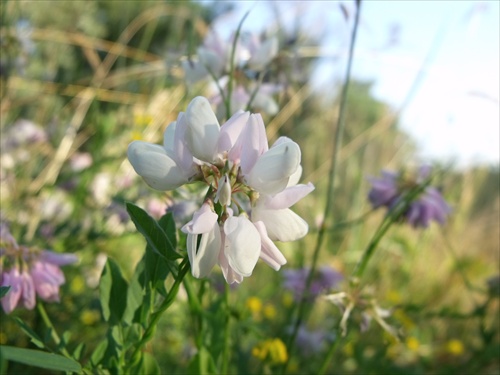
35	339
38	358
4	290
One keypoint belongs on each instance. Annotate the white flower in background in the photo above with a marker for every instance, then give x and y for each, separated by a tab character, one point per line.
214	56
251	189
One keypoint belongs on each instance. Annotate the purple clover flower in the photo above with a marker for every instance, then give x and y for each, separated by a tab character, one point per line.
325	279
29	272
430	205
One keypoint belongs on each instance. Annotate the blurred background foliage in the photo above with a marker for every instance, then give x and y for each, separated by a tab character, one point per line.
91	76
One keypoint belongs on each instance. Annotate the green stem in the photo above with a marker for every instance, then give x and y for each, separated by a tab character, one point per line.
226	352
53	332
231	66
155	317
331	183
331	353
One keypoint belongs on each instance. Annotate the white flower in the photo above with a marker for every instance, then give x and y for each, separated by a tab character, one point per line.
167	167
282	224
202	133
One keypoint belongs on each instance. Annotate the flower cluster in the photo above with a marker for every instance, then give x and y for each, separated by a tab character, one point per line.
251	187
388	191
29	272
252	56
325	279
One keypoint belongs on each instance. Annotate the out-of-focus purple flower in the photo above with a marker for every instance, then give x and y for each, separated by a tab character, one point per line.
326	278
24	132
312	342
40	273
388	190
384	190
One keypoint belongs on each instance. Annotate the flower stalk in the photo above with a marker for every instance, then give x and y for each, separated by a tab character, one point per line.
331	183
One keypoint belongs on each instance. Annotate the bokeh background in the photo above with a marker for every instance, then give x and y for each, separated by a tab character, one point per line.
81	79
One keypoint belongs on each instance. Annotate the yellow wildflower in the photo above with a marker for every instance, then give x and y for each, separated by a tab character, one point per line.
455	347
412	343
270	312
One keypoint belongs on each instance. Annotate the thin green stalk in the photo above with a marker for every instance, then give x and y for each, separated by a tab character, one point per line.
155	317
53	332
195	307
226	352
331	183
231	66
331	353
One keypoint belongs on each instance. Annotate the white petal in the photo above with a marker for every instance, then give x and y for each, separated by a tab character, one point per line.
273	169
282	225
253	142
153	164
182	155
231	130
168	138
202	132
203	221
204	258
287	197
269	252
242	244
229	274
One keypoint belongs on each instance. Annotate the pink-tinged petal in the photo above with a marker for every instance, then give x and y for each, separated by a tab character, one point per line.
203	221
229	274
60	259
204	258
272	171
269	252
242	245
28	296
11	278
231	130
202	132
153	164
253	142
288	197
282	225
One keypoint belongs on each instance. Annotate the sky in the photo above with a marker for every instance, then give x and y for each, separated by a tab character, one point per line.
453	108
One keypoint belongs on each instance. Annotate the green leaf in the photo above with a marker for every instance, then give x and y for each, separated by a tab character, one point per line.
35	339
149	365
167	223
79	350
135	293
38	358
113	291
156	271
98	354
4	290
153	232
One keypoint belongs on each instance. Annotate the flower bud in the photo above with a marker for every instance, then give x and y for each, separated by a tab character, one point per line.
223	195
